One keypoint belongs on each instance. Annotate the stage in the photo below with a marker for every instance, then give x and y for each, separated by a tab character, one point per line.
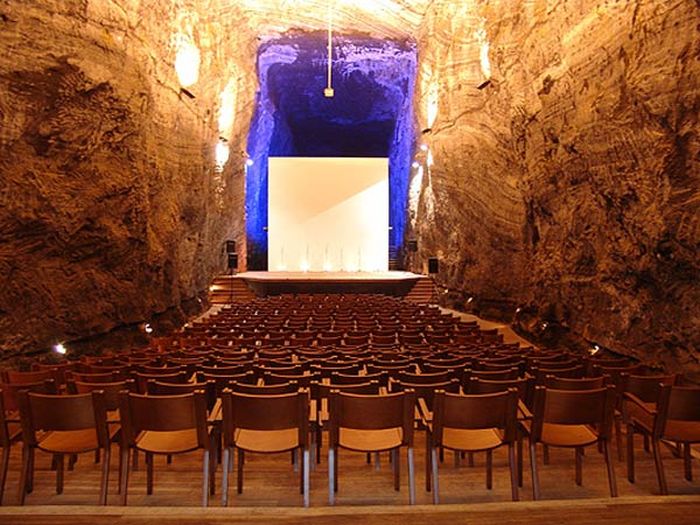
247	285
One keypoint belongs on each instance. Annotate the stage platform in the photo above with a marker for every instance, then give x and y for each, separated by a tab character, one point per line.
247	285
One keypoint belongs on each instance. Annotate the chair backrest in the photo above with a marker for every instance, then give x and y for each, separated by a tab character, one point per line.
303	380
493	375
105	377
476	411
574	407
646	388
265	412
22	378
372	412
110	390
158	388
50	412
142	379
10	391
576	371
289	387
680	403
346	379
163	413
523	385
570	383
426	378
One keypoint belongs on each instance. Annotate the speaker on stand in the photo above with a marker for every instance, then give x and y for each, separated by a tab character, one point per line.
232	264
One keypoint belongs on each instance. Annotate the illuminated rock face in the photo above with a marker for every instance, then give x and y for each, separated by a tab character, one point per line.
569	185
111	210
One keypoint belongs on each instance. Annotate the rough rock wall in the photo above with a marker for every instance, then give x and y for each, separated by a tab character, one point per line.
593	109
111	209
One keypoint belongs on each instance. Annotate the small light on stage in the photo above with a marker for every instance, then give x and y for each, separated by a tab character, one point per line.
327	267
304	266
60	349
415	165
424	147
329	92
249	162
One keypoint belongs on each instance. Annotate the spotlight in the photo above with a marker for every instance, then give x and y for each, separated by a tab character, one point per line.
518	310
470	300
415	165
593	351
148	328
60	349
249	162
544	325
329	92
424	147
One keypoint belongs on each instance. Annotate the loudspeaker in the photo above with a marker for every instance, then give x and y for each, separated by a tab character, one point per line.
433	265
232	261
230	246
412	246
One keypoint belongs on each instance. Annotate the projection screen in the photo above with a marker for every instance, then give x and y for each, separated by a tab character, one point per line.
328	214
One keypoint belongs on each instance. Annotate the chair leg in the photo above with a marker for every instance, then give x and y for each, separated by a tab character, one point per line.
24	473
630	453
609	462
411	476
124	476
206	475
687	461
331	475
436	480
30	476
97	456
169	459
660	474
149	473
470	459
512	464
520	459
618	438
646	444
225	464
3	470
428	462
396	469
105	475
60	467
578	452
135	459
489	469
533	468
545	454
239	479
72	460
306	467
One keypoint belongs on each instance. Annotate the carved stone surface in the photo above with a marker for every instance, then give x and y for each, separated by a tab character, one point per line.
111	208
570	183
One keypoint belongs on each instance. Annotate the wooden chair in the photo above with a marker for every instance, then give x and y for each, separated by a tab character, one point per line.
371	423
60	425
265	424
571	383
572	419
675	418
164	425
474	423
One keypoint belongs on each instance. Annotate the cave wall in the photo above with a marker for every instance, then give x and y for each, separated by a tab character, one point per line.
579	162
111	207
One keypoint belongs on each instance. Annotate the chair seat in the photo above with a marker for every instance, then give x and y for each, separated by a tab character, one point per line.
567	435
168	442
471	439
683	431
370	440
14	430
69	441
267	440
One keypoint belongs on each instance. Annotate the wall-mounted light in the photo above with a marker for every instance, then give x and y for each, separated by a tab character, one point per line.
227	111
415	165
187	61
249	162
60	349
222	153
424	147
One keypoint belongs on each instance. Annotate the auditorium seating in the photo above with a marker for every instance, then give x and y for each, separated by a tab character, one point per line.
334	347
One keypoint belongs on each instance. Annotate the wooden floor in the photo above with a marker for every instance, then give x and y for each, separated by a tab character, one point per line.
271	493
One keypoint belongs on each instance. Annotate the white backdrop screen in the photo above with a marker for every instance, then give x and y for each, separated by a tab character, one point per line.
328	214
